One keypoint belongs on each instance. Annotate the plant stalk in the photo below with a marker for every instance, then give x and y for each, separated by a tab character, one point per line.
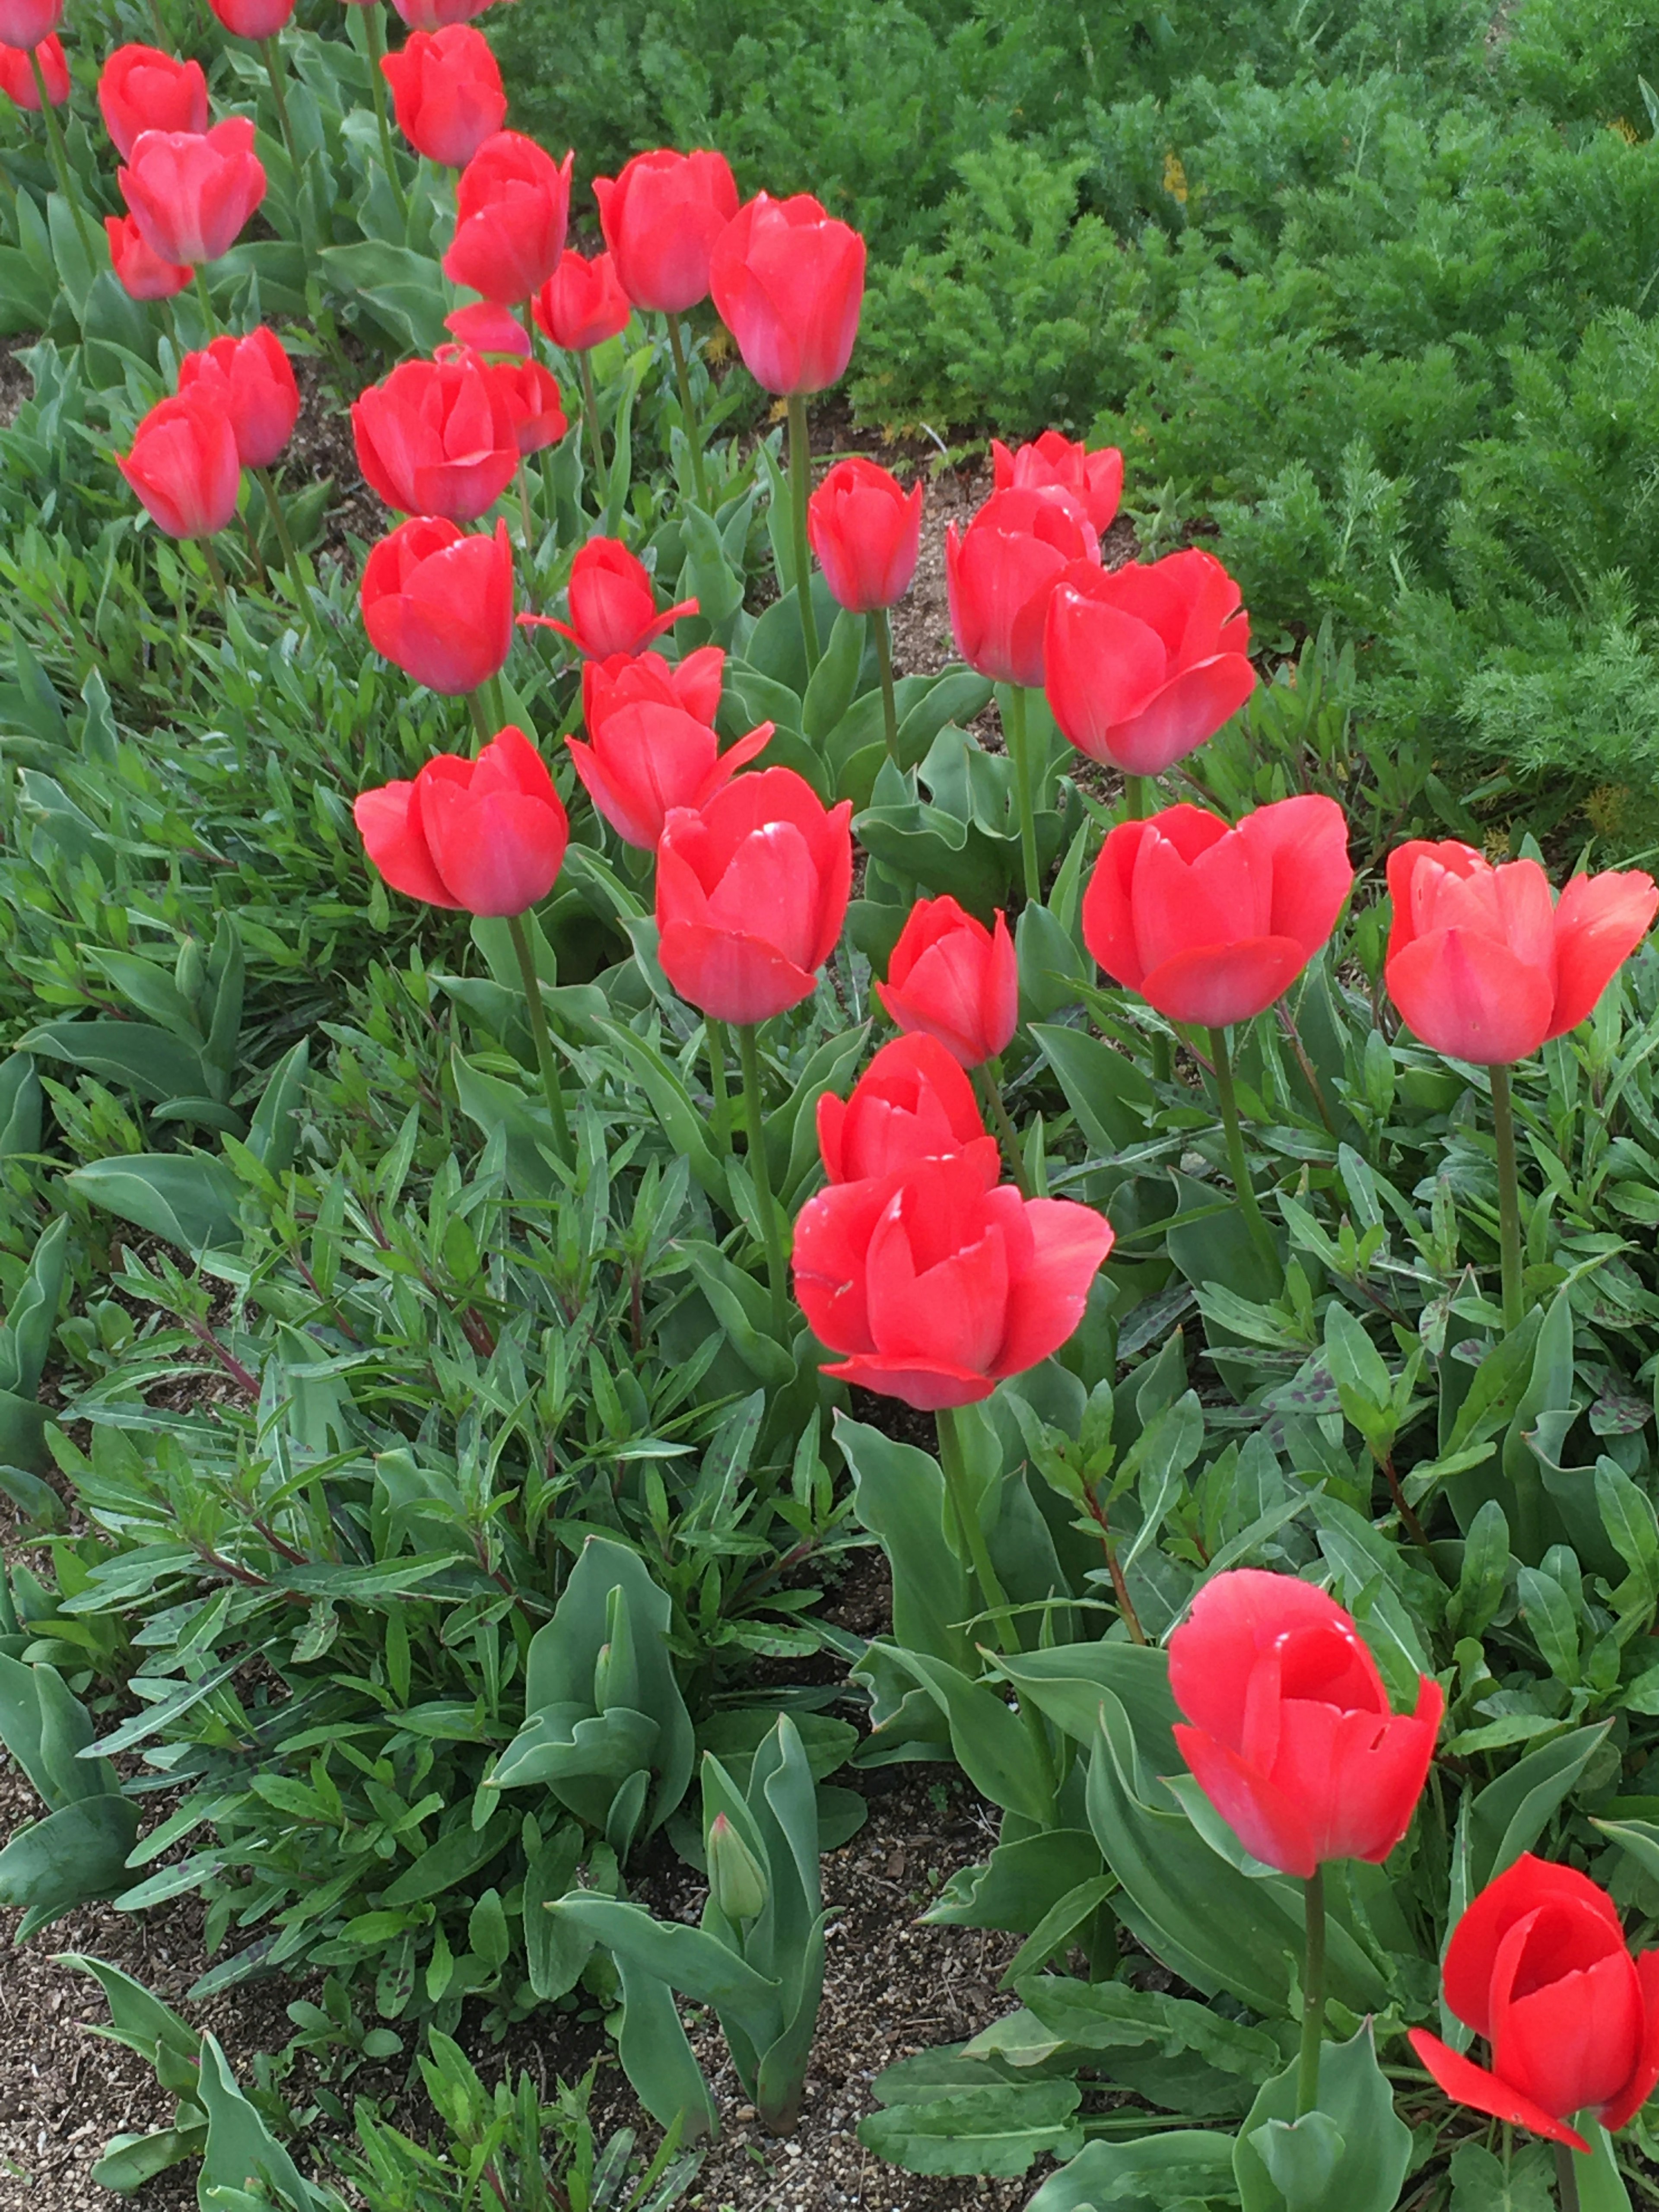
59	153
721	1125
800	486
481	728
1509	1196
590	410
1254	1221
1313	1995
777	1270
376	35
1015	733
688	412
953	1465
215	574
881	630
537	1012
204	299
1138	796
268	47
1567	2177
291	557
990	1091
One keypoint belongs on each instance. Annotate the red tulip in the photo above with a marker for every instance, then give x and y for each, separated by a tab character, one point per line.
141	88
912	1102
789	283
953	979
440	605
1094	480
250	382
661	218
254	19
434	14
191	191
1538	1965
1210	924
486	835
447	89
487	328
581	304
17	74
648	753
752	893
184	466
531	394
1289	1731
144	274
437	437
1142	664
613	607
1001	573
1485	966
937	1286
867	532
28	23
511	208
693	685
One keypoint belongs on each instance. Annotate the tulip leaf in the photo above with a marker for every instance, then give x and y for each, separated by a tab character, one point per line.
992	1745
657	2055
997	2128
1186	2167
1481	2182
76	1854
1021	1881
144	1060
190	1199
1353	2150
1510	1816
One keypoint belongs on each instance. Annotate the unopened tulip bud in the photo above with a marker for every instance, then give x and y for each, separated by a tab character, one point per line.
737	1880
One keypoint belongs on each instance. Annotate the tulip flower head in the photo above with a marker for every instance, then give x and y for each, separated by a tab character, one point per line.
28	23
512	206
913	1102
693	685
1143	664
447	92
531	394
952	979
250	382
787	281
1001	573
254	19
865	530
17	74
1209	924
613	606
439	604
141	274
752	893
140	89
1054	461
646	754
437	437
660	217
1288	1729
184	466
487	328
935	1285
434	14
191	191
1538	1965
487	837
1485	965
582	303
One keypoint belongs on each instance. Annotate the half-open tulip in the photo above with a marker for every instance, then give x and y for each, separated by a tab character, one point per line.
252	381
191	191
487	328
1212	924
532	394
435	15
254	19
17	74
787	280
446	90
865	530
582	304
184	466
613	607
141	88
1001	573
437	437
1056	462
28	23
1485	964
142	274
440	604
645	756
487	835
1538	1965
935	1285
661	216
1288	1729
752	893
1142	664
953	979
512	206
625	679
913	1102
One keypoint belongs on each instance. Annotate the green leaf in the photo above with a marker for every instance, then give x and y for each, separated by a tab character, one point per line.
190	1199
999	2129
240	2149
657	2055
1353	2150
1480	2183
1182	2167
1510	1816
1018	1883
1109	1096
129	2161
139	1058
73	1855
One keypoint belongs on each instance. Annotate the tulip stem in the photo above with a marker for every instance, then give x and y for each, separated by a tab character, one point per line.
1254	1219
526	512
881	630
714	1036
481	729
953	1466
376	36
800	488
1014	731
215	574
268	48
291	557
1509	1196
1313	1995
688	412
204	299
1137	798
990	1091
59	154
590	410
1567	2177
545	1062
771	1230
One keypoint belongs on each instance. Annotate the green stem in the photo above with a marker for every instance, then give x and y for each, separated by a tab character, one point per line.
1566	2178
1015	733
1509	1196
591	411
1313	1995
714	1036
777	1272
268	47
526	512
376	36
800	486
953	1465
259	570
60	160
480	713
291	557
1137	798
215	574
688	413
881	630
497	702
205	299
991	1091
1254	1221
546	1064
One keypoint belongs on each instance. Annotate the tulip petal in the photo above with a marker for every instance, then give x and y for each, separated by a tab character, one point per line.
1046	1299
1179	717
1217	985
1523	1888
929	1389
1236	1618
1466	2083
1645	2074
396	846
1469	997
1599	922
734	977
1569	2041
1267	1822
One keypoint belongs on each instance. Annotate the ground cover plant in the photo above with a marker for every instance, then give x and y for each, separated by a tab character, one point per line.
560	1099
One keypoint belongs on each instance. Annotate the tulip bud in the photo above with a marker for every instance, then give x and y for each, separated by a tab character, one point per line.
602	1678
189	970
737	1880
